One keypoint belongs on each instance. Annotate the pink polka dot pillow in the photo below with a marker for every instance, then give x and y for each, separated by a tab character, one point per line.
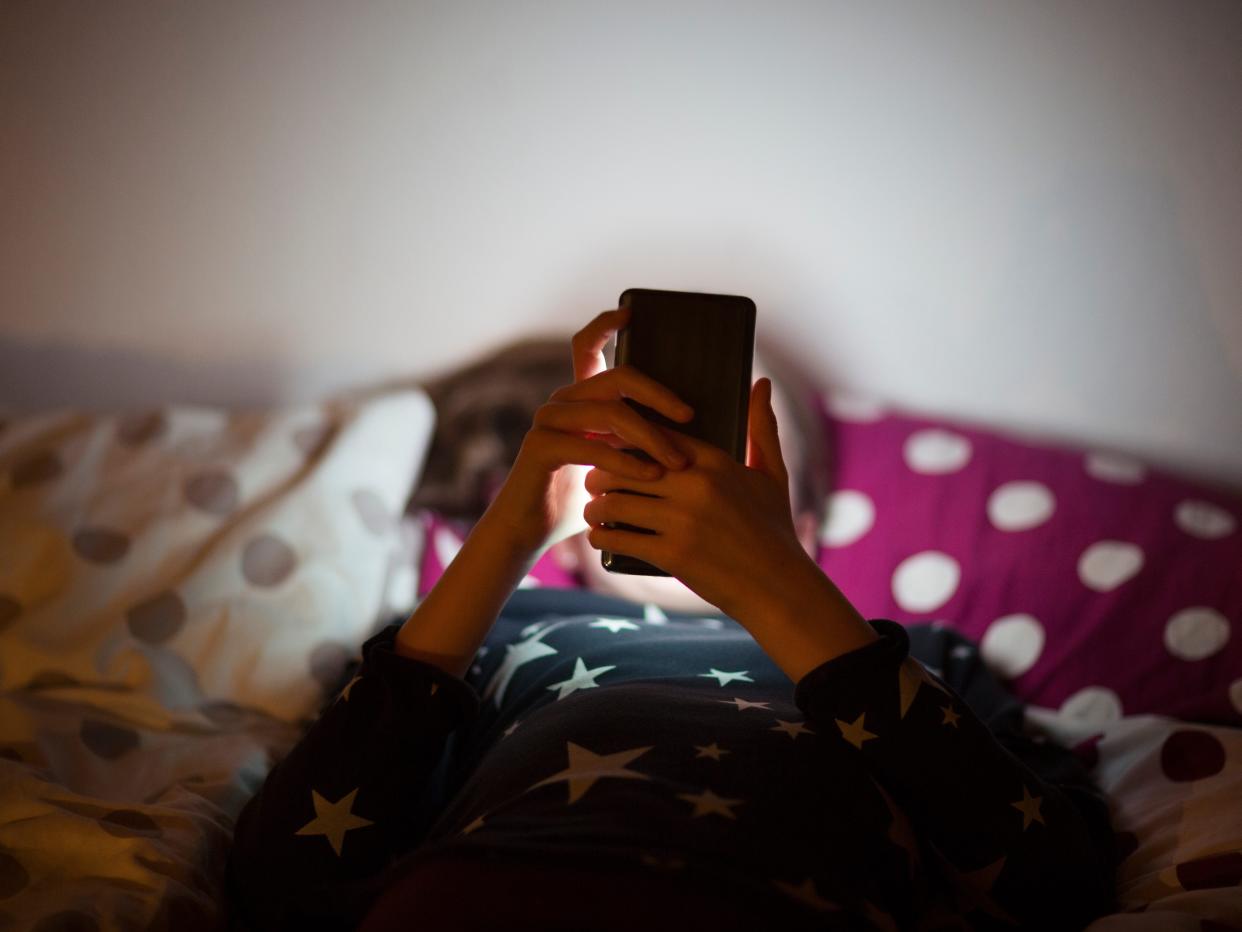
1095	585
442	538
192	560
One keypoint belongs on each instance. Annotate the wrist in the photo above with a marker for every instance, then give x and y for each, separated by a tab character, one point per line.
451	623
506	536
806	621
511	529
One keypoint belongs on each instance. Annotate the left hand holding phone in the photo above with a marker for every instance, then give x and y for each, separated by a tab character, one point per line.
586	423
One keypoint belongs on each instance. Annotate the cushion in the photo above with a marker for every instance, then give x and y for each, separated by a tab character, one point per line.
195	559
1095	584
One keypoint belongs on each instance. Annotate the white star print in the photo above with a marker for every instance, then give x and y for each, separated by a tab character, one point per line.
669	862
855	732
654	615
743	705
708	803
1029	805
585	767
348	686
515	656
805	892
582	679
910	676
333	819
972	888
727	678
710	750
615	624
880	920
793	729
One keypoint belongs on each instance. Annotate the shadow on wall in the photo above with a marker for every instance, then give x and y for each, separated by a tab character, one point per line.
36	376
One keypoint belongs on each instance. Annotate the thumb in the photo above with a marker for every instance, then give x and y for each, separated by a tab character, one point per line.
763	448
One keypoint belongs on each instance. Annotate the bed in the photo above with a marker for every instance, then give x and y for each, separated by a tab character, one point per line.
182	589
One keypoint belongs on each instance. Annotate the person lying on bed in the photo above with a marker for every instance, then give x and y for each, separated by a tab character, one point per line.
733	747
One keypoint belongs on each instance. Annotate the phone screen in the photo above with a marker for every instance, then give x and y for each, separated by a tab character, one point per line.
702	347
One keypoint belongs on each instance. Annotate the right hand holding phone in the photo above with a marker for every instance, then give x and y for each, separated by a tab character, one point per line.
585	424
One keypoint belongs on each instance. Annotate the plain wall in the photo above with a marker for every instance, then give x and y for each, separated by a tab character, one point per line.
1026	214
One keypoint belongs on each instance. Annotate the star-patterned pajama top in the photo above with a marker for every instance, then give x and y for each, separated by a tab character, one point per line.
891	787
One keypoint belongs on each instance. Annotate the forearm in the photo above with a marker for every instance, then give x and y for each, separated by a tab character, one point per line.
802	620
453	620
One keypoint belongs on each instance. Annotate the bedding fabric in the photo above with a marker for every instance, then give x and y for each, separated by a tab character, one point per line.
178	590
1095	584
1173	790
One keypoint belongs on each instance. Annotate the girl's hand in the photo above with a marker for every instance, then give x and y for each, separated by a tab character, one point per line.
585	424
724	529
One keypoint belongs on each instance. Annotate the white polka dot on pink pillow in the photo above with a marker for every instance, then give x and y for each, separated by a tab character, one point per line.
1106	564
925	581
935	451
850	515
1012	645
1196	633
1019	506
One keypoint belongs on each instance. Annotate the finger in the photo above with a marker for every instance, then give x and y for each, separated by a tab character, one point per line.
763	447
557	449
636	510
615	418
644	547
601	481
587	345
628	382
698	453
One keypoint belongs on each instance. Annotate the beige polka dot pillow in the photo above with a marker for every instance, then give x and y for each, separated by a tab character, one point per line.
202	558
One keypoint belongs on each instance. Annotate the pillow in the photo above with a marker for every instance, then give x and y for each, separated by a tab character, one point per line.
442	537
1172	791
190	558
1094	584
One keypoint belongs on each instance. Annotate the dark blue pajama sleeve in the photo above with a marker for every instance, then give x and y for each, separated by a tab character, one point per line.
310	848
1020	842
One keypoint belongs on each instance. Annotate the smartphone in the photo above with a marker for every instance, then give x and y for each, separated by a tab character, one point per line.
702	347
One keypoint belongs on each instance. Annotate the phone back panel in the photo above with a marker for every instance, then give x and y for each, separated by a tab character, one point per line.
701	346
